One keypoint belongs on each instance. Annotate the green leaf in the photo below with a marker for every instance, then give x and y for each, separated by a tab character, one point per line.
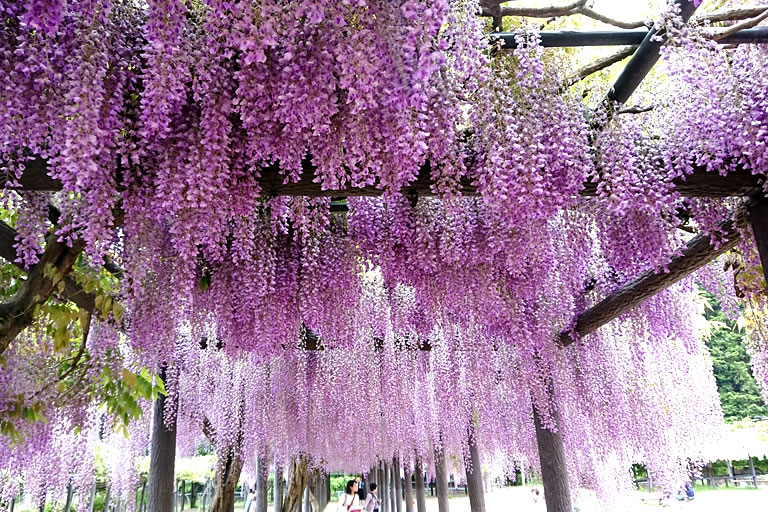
117	311
130	378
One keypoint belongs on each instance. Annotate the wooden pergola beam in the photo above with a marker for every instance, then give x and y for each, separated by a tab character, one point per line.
698	252
698	184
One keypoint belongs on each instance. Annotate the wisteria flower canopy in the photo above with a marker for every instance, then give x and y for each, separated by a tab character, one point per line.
277	201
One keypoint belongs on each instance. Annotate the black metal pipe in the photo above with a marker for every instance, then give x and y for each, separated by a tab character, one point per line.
565	38
578	38
643	60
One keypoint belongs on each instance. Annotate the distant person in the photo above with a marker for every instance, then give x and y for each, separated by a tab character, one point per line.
360	489
350	501
535	495
688	491
372	500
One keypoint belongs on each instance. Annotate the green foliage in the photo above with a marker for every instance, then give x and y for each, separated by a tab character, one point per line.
739	394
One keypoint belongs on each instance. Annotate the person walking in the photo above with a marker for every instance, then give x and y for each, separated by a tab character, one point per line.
372	500
350	501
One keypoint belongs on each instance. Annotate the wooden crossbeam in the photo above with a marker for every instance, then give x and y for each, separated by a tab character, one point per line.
699	184
698	252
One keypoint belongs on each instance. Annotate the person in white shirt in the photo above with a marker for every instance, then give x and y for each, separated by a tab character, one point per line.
350	501
372	500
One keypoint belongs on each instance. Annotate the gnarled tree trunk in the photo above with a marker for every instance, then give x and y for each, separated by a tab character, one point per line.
226	482
297	481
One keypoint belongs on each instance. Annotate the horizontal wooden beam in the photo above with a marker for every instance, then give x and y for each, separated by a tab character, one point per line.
699	184
698	252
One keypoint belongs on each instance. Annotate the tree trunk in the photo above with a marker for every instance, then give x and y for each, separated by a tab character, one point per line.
554	473
421	498
408	489
398	485
475	478
382	487
162	458
297	481
261	483
385	490
441	477
226	483
278	488
391	481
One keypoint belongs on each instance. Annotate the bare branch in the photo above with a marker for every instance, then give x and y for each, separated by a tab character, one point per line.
18	313
741	26
599	64
540	12
635	109
589	13
730	14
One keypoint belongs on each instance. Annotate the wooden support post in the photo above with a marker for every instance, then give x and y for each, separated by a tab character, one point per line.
307	503
140	506
261	483
475	477
162	458
752	471
758	218
407	474
278	505
12	505
398	485
730	470
421	499
441	477
68	503
92	498
554	473
108	496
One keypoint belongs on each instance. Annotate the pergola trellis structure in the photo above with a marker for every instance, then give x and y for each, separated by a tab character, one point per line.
698	252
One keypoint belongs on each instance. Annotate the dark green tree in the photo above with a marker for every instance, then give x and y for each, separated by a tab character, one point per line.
739	394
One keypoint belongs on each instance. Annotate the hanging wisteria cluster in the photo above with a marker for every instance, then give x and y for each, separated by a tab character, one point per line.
429	321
